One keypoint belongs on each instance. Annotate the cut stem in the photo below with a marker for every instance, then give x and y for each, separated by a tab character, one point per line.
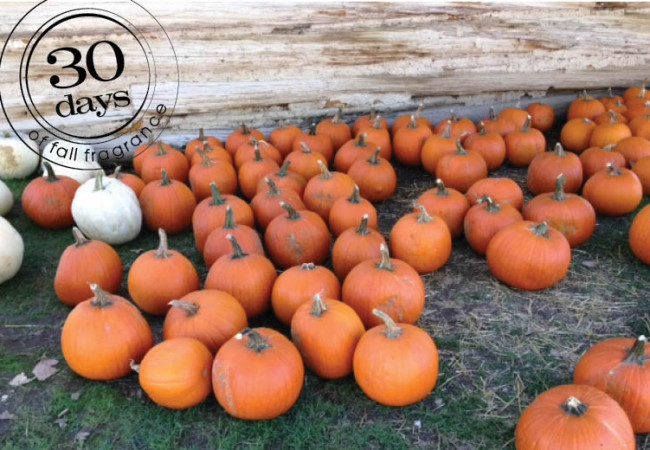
101	298
190	308
490	205
237	252
255	341
305	147
164	178
442	189
293	214
384	262
283	170
374	158
356	196
574	407
637	352
79	238
392	331
446	133
202	135
161	150
423	215
363	226
540	229
559	194
273	191
325	174
51	176
99	181
318	306
361	141
117	174
559	150
217	199
229	223
613	169
308	266
163	249
312	128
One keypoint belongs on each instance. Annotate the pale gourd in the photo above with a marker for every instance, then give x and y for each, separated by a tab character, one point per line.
107	210
11	250
69	159
16	159
6	199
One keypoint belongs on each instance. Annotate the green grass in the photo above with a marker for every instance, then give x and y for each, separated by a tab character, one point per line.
499	348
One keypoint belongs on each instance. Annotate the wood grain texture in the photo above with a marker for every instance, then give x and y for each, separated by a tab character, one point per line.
260	63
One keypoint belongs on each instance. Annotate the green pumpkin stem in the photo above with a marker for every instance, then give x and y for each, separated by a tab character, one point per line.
412	125
481	128
164	178
559	194
361	141
190	308
79	238
244	129
423	214
51	176
446	133
283	172
99	181
374	158
384	263
273	191
293	214
255	341
574	407
202	135
217	199
637	352
540	229
163	248
490	205
256	149
325	174
229	223
101	298
559	150
363	226
305	148
392	331
206	161
318	306
161	150
237	251
453	117
460	150
356	196
442	189
612	169
492	115
527	123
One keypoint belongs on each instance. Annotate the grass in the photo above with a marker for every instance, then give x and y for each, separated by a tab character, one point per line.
499	348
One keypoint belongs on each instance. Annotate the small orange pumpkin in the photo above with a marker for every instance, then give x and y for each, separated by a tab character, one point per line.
199	144
212	153
460	126
609	133
405	119
500	190
461	169
640	235
353	150
132	181
435	147
515	115
633	148
523	145
217	245
318	143
408	141
546	167
354	246
576	133
246	152
490	146
642	170
542	114
241	136
322	191
284	179
585	106
47	200
380	136
375	177
212	171
282	138
251	172
498	125
485	219
367	121
447	203
347	212
171	160
336	129
640	126
595	158
613	191
305	162
167	204
266	204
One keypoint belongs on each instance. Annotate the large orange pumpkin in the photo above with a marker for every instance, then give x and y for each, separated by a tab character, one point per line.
354	246
529	256
576	133
396	364
585	106
83	262
375	177
103	334
408	141
326	332
176	373
47	200
323	190
640	235
613	191
167	204
546	167
258	374
485	219
448	204
523	145
595	158
490	146
336	129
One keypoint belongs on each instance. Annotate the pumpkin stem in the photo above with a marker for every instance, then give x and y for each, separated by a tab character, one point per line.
217	199
206	161
559	194
559	150
117	174
202	135
613	169
308	266
637	352
584	95
293	214
161	150
283	170
453	116
481	128
423	215
374	158
305	148
526	127
244	129
384	263
377	123
610	94
134	366
609	147
361	141
373	113
446	133
164	178
318	306
229	223
392	331
612	116
460	150
418	111
356	196
337	116
491	114
574	407
255	340
99	184
442	189
256	149
363	226
190	308
312	128
324	171
540	229
412	125
163	248
101	298
51	176
490	205
237	251
79	238
274	191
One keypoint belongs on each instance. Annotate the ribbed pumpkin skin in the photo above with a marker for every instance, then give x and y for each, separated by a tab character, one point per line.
327	342
167	204
352	151
594	159
172	161
323	190
642	170
251	172
348	212
606	367
613	192
522	146
434	148
256	385
449	204
521	259
298	285
585	106
217	245
266	205
399	371
460	170
305	162
204	173
218	318
483	221
176	373
47	201
542	114
546	167
514	115
86	261
408	142
241	136
633	148
640	235
375	177
544	425
608	134
490	146
98	342
576	133
336	129
282	138
353	247
501	190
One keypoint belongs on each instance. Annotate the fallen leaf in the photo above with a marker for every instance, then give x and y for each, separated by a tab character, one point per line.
7	416
75	396
20	379
590	264
81	436
45	369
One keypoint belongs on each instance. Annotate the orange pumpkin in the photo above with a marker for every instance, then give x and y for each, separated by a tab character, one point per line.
347	212
353	150
610	98
375	177
636	91
610	116
210	214
529	256
103	334
83	262
498	125
212	171
247	277
259	379
462	168
504	191
297	237
167	204
542	114
485	219
523	145
515	115
176	373
298	285
396	364
595	158
585	106
171	160
322	191
380	136
47	200
132	181
241	136
642	170
613	191
620	367
318	143
576	133
336	129
570	214
447	203
367	121
633	148
609	133
546	167
435	147
212	153
574	417
408	141
266	204
387	283
326	332
217	245
159	276
490	146
210	316
640	235
354	246
284	179
459	126
199	144
637	110
251	172
145	151
246	152
282	138
405	119
305	162
640	126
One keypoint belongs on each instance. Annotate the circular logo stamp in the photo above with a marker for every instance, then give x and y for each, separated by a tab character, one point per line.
88	84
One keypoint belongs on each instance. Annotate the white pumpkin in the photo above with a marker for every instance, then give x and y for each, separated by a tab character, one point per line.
107	210
16	159
11	250
70	160
6	199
